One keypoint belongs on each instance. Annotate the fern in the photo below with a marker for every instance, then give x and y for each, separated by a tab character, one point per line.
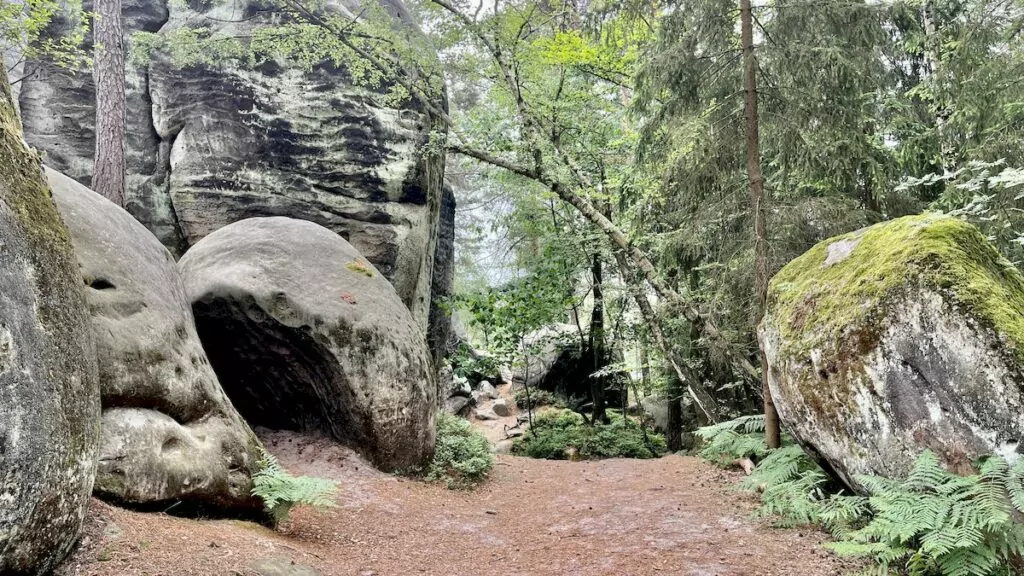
936	523
280	491
739	438
932	523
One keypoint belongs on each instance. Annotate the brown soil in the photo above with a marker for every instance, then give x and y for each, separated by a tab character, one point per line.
674	515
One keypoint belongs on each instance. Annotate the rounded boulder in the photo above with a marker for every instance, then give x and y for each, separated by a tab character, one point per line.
901	337
305	334
169	431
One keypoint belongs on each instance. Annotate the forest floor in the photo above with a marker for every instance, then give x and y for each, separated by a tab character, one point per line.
675	516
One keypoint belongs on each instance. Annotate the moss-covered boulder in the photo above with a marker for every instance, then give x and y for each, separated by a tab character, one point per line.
899	337
49	397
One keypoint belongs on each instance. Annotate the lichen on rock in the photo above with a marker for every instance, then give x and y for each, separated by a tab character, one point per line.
169	431
895	338
301	341
49	397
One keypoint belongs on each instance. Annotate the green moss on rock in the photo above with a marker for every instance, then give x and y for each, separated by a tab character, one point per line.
837	291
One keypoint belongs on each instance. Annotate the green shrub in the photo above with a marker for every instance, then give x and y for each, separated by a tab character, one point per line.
933	523
555	431
463	455
538	398
280	491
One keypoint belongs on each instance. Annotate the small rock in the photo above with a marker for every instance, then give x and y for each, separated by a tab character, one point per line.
500	407
461	387
457	405
488	390
513	432
486	415
503	447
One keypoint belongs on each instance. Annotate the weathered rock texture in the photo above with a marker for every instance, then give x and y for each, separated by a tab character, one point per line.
439	327
556	363
901	337
49	397
212	145
305	334
169	432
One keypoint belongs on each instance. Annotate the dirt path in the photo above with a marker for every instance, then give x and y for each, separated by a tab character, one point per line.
613	517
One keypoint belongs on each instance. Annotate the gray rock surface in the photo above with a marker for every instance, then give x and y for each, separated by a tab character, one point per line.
500	407
439	327
901	337
305	334
488	390
209	146
554	361
486	414
502	447
457	405
460	386
169	432
49	394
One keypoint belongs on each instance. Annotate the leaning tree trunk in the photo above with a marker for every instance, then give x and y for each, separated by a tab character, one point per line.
110	163
597	350
757	198
694	386
574	197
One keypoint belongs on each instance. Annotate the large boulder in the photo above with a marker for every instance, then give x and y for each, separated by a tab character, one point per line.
211	145
169	432
901	337
306	334
555	362
49	395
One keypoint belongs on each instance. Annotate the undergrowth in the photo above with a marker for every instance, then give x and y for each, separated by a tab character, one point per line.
537	399
280	491
555	432
462	457
933	523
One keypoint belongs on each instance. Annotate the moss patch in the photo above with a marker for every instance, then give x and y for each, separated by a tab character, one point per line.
360	267
819	303
24	189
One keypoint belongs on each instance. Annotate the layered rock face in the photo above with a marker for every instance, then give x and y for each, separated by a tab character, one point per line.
209	146
904	336
305	334
49	396
439	326
169	432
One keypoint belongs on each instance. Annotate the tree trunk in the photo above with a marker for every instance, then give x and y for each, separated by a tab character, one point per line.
110	163
674	422
702	398
597	344
645	370
757	199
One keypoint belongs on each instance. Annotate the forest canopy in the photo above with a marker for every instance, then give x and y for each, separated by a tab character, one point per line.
602	150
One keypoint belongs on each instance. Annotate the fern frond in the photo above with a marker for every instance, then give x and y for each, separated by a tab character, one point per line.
280	491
